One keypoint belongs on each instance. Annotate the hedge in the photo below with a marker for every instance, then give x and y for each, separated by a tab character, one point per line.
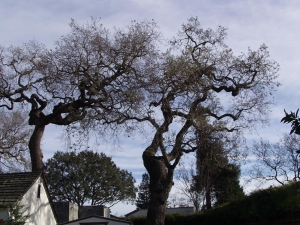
267	205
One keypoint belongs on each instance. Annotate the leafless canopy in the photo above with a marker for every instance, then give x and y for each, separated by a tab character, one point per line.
197	81
200	79
90	71
124	78
14	135
277	163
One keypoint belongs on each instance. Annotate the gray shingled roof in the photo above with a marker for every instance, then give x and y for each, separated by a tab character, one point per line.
15	185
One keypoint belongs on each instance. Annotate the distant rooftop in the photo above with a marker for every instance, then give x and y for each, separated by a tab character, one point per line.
180	210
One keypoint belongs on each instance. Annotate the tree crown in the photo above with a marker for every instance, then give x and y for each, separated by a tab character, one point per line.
88	177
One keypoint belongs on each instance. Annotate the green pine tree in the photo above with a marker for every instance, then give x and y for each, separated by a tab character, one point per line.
143	198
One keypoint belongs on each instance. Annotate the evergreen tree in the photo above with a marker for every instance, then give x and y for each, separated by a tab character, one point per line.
88	176
143	198
216	178
227	187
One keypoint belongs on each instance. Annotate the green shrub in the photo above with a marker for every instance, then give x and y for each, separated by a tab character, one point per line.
271	204
16	215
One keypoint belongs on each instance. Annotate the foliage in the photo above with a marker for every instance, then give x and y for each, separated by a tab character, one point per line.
264	205
14	136
216	178
294	120
276	162
16	215
138	220
88	177
143	197
272	204
227	187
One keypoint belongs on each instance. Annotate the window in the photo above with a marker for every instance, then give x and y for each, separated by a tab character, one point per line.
39	191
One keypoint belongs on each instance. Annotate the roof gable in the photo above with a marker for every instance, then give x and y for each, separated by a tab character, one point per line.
14	185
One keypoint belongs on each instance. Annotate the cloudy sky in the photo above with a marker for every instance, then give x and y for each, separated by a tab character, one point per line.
250	23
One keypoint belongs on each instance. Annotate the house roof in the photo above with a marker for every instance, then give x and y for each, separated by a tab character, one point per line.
180	210
14	185
97	218
132	212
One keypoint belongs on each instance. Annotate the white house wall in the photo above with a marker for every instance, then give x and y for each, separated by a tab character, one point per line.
39	209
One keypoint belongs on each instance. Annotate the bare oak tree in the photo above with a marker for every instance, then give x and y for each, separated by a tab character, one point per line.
278	162
185	182
86	74
198	77
14	136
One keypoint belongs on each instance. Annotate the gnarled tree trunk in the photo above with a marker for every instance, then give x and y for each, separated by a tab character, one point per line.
38	119
161	182
35	148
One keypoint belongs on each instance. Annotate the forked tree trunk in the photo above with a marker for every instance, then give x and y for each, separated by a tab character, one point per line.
161	182
35	148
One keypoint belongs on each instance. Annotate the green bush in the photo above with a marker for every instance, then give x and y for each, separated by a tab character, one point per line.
16	216
271	204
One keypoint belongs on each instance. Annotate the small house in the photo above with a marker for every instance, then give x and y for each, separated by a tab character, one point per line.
97	220
30	191
71	214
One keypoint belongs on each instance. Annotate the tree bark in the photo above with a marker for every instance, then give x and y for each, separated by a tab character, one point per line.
35	148
161	182
208	198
